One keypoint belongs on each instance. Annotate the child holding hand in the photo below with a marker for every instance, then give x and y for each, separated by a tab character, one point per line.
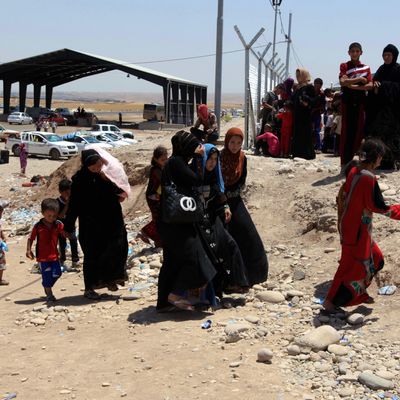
46	233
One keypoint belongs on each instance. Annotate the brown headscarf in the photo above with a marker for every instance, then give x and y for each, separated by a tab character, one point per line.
232	164
303	77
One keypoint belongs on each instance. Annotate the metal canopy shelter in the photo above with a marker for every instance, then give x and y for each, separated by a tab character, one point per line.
63	66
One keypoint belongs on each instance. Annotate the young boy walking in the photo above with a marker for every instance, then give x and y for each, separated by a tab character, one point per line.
46	233
3	247
64	188
354	76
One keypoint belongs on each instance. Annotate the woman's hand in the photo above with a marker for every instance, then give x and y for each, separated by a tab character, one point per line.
228	215
199	150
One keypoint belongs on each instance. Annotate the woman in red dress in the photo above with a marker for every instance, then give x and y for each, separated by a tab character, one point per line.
361	257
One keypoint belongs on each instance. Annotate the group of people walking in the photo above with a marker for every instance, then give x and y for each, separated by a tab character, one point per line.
219	250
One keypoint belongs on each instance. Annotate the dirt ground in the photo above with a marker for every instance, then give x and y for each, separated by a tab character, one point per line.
117	348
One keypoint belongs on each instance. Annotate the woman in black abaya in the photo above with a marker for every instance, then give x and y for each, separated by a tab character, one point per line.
186	269
383	117
95	201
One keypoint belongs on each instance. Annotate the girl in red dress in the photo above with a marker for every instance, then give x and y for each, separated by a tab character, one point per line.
361	257
153	192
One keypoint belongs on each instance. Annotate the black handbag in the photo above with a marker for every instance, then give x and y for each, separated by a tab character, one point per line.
177	208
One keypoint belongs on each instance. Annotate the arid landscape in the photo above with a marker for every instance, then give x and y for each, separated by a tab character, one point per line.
119	347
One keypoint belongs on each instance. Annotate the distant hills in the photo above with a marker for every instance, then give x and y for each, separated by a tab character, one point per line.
127	97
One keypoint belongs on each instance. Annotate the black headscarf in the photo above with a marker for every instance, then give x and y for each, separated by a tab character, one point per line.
184	144
389	72
89	157
391	48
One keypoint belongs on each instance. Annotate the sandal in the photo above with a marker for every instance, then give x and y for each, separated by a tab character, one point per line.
91	295
141	235
4	282
51	298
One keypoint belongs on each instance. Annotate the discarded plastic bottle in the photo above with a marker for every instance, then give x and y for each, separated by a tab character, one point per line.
387	290
206	324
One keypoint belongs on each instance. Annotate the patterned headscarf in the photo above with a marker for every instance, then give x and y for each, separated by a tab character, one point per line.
232	164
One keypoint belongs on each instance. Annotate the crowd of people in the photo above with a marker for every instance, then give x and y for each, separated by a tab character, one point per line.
299	119
210	244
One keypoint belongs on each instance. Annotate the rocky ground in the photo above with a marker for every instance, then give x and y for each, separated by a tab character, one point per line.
272	343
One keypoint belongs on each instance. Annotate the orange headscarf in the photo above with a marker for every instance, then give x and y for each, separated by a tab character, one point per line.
232	164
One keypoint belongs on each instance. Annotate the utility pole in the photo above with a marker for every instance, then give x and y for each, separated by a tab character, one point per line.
276	4
247	47
218	63
289	42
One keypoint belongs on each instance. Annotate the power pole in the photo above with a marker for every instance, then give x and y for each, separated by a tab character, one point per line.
247	47
289	42
276	4
218	63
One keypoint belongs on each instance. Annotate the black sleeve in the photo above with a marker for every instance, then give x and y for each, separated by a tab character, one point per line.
73	208
181	174
378	198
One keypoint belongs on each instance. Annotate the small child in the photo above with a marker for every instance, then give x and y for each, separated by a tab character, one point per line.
328	142
153	192
23	158
64	188
287	128
3	247
46	233
268	142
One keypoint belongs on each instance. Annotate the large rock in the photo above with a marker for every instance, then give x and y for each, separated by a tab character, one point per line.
233	329
319	338
338	350
375	382
355	319
264	355
271	296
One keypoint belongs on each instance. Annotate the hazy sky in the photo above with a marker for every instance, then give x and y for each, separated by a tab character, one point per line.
138	31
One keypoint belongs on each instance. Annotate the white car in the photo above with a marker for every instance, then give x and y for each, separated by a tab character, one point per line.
82	140
6	133
108	128
42	144
109	140
19	118
115	136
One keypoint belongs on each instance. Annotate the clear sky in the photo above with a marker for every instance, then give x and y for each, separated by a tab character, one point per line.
140	30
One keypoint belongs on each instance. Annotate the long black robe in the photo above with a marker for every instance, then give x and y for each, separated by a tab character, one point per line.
302	143
383	112
102	233
243	230
186	264
219	244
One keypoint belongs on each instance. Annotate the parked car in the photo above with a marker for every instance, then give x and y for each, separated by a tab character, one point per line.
82	140
42	144
115	136
6	133
106	139
65	112
54	117
105	128
19	118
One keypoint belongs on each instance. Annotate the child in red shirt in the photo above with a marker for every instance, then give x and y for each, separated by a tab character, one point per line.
46	233
287	127
268	142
